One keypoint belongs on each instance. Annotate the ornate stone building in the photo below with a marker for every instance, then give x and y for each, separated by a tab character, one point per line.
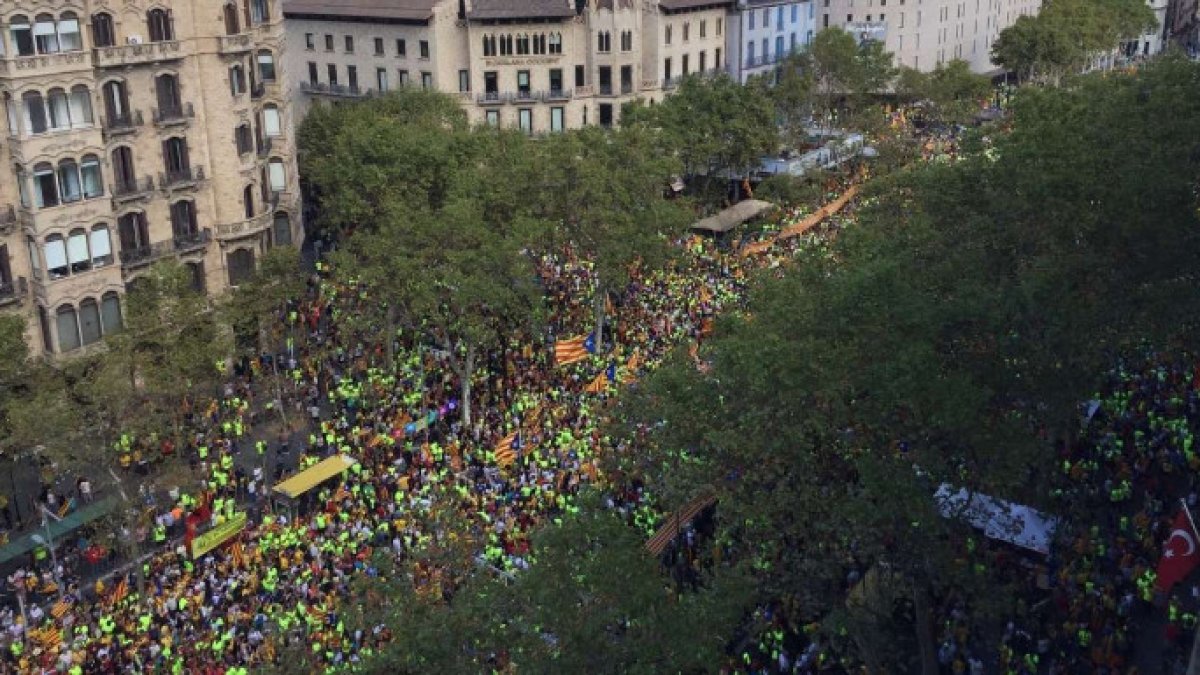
138	130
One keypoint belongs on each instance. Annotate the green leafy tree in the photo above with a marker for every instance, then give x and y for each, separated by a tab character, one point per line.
604	192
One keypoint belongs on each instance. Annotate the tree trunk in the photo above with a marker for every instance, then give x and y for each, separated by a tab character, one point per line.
464	378
924	628
598	307
390	337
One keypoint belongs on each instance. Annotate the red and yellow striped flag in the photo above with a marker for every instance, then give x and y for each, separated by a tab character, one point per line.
505	454
341	493
238	553
119	592
570	351
598	384
60	608
631	367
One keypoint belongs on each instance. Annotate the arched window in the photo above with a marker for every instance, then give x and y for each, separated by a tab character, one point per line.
81	107
89	321
55	252
69	187
123	170
175	158
489	48
91	177
134	232
160	24
237	80
197	272
58	109
266	65
35	112
271	123
45	34
281	229
116	103
110	312
101	246
248	201
260	11
243	139
556	43
69	39
166	89
183	219
277	175
78	255
231	20
68	329
104	34
21	33
241	265
45	186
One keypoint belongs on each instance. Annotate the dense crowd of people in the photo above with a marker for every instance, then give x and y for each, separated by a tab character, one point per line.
280	583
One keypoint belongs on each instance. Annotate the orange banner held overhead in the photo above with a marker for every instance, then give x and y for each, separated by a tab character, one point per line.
570	351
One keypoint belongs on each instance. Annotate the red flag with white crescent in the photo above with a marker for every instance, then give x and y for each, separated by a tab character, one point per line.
1180	554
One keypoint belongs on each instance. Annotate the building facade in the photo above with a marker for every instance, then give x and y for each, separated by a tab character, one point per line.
925	33
764	32
537	65
137	131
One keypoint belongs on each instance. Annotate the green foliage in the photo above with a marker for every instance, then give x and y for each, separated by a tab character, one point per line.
1066	34
402	145
972	307
593	601
842	67
951	91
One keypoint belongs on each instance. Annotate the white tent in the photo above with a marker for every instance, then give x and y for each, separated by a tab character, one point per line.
1005	521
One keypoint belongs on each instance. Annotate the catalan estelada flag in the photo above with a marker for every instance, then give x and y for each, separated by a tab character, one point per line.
601	381
60	608
573	350
238	554
631	367
505	451
119	592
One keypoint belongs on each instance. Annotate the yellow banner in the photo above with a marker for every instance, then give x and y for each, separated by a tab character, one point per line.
206	542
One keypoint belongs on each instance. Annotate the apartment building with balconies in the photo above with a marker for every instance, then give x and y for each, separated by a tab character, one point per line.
137	132
537	65
925	33
762	33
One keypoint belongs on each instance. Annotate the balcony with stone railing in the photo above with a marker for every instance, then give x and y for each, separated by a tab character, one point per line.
181	178
139	54
245	228
235	44
138	257
14	291
121	125
127	191
173	115
44	65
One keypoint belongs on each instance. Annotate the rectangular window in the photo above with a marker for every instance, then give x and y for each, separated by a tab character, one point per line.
795	13
349	44
626	79
312	73
687	28
667	68
381	79
703	28
717	58
426	80
328	42
556	81
720	25
751	16
703	61
403	75
579	72
493	118
401	48
556	119
332	68
424	44
525	120
464	81
685	65
352	77
378	46
523	82
825	20
310	41
779	17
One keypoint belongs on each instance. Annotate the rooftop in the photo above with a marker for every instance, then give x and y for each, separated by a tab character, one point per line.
365	10
520	9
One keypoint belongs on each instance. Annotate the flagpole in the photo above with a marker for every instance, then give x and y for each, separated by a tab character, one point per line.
1194	660
1187	511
